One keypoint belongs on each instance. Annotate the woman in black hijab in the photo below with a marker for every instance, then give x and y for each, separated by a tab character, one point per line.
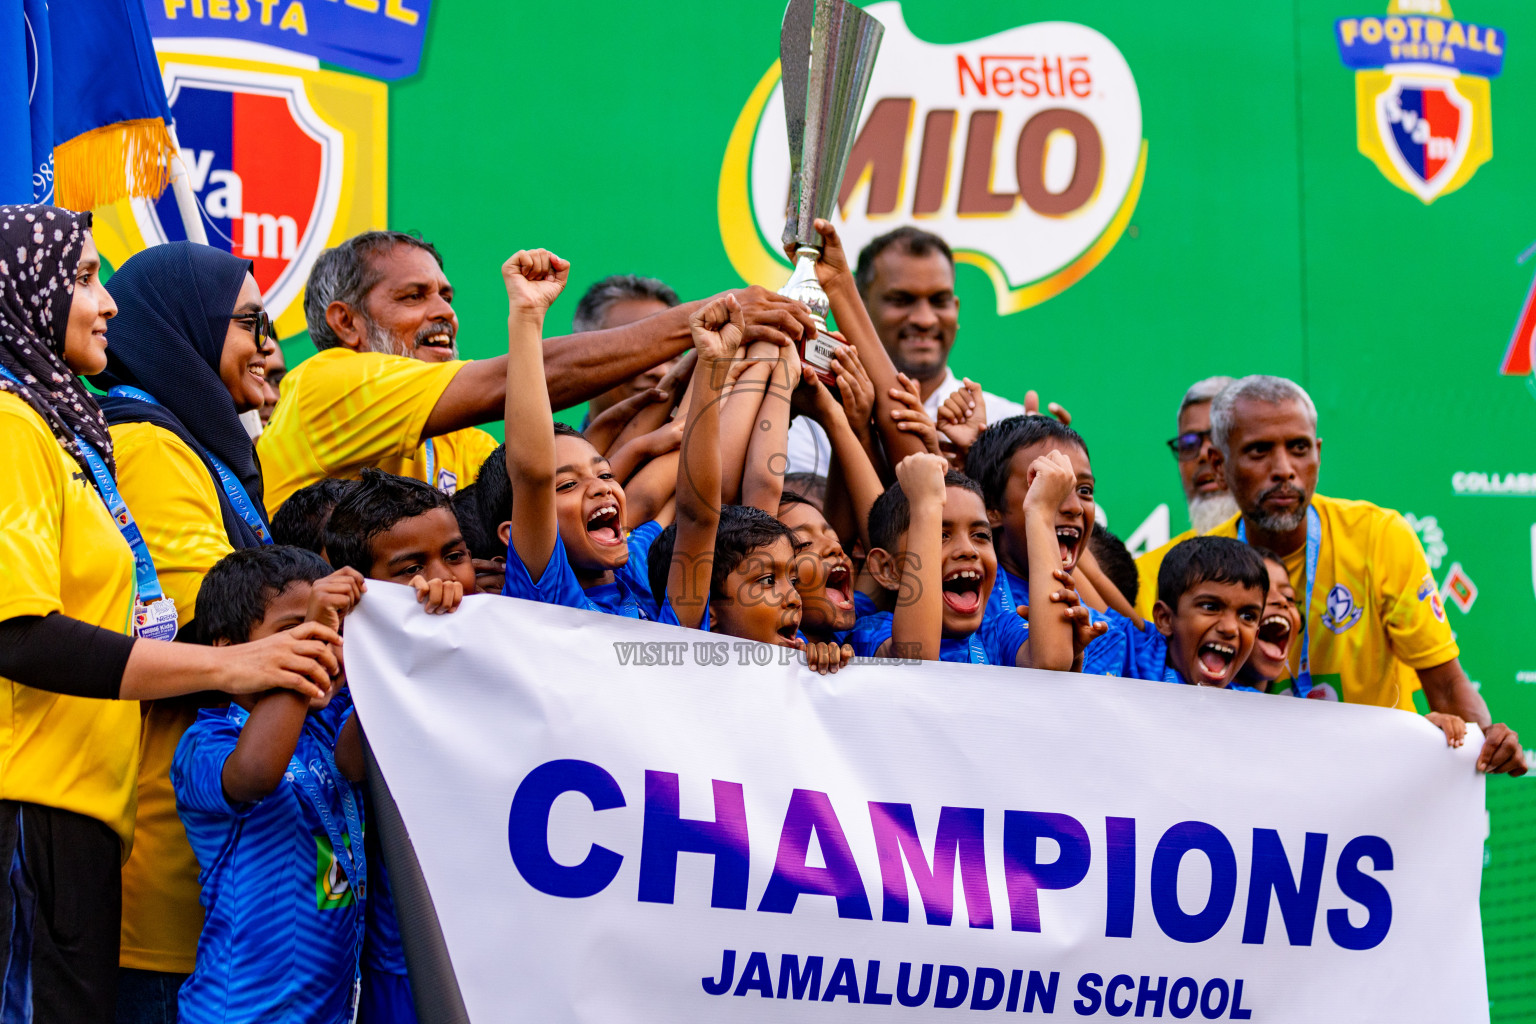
188	356
68	616
189	331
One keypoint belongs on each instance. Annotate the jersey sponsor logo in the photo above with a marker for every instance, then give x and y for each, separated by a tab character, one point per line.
1024	150
447	481
1423	111
1340	612
332	889
283	161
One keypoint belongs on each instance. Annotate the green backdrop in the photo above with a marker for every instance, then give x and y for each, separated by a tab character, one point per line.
1263	242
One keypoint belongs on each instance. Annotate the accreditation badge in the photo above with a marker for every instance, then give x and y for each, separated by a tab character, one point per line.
156	620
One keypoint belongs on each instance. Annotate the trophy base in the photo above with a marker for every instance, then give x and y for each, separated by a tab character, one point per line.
815	352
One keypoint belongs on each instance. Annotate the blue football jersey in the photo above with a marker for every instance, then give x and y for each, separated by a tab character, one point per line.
283	931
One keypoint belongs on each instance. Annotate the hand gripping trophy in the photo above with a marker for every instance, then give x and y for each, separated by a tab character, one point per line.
827	52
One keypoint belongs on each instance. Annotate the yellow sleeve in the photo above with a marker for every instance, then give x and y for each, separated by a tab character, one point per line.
1147	567
174	501
1411	609
31	514
478	446
343	411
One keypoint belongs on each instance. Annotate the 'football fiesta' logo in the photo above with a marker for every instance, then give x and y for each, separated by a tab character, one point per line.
1023	150
1422	108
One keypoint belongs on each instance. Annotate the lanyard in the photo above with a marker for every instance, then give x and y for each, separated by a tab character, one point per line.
162	624
1314	544
348	848
1004	591
239	498
974	649
431	462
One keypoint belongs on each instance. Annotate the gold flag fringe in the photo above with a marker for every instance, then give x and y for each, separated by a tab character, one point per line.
130	159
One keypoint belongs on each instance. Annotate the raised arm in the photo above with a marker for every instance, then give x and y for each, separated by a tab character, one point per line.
717	332
762	483
1051	479
917	628
534	278
849	457
836	277
578	367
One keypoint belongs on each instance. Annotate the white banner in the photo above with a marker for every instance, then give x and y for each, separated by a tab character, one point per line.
620	821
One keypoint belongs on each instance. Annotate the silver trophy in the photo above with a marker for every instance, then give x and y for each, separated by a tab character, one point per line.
827	52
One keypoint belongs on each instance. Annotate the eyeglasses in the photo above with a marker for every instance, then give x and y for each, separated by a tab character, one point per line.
1187	447
259	324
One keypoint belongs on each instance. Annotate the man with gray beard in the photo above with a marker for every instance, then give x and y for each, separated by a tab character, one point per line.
387	389
1373	626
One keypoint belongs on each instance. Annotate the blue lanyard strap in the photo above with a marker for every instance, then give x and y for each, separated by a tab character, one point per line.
1314	545
975	651
239	498
348	847
147	580
431	462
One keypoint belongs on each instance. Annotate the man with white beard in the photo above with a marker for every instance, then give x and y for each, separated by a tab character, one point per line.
1205	486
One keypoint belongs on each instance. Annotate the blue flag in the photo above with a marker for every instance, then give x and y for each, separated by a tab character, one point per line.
79	81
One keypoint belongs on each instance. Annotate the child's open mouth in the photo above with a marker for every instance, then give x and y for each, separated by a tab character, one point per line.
1067	538
603	526
1214	659
1274	637
962	591
840	586
789	634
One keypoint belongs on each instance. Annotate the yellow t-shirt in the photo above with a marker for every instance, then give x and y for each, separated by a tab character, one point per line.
1376	614
344	411
457	458
61	551
176	504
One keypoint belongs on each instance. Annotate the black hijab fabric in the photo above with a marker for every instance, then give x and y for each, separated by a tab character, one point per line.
173	309
40	250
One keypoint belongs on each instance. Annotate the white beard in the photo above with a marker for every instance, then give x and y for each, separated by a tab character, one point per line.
1208	511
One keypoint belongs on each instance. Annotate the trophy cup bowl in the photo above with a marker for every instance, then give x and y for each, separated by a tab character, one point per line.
827	53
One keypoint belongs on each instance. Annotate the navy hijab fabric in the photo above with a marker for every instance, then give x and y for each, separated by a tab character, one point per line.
174	303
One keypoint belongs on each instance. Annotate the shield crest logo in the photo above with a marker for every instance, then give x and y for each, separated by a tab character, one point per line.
265	168
1426	127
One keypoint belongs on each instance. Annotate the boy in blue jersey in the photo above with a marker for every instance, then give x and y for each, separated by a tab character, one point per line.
1210	597
932	549
753	583
1040	542
400	530
824	572
566	537
276	829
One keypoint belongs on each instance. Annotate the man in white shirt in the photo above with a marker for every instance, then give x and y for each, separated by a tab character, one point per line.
907	279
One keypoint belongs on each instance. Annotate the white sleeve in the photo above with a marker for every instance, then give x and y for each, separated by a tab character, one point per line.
810	450
999	408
